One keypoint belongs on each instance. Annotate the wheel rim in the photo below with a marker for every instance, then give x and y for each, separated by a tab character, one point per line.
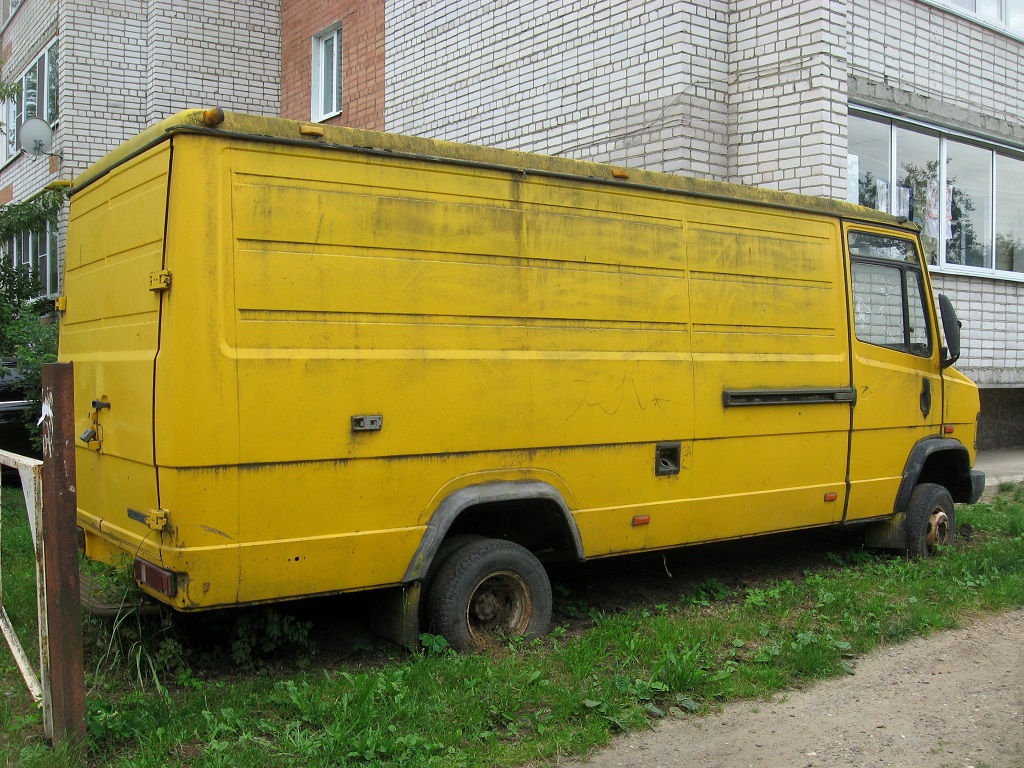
500	605
938	529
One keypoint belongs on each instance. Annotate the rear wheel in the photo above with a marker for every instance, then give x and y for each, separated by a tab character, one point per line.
486	591
931	520
448	546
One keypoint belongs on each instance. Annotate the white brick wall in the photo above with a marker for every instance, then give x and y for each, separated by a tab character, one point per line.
102	78
640	84
129	63
993	330
937	64
125	64
202	54
787	95
750	90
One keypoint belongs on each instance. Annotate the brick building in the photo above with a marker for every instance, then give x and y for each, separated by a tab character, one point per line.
99	71
911	106
332	62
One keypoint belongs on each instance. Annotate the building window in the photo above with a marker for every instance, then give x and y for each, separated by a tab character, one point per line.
967	196
8	8
1002	13
35	252
37	97
327	73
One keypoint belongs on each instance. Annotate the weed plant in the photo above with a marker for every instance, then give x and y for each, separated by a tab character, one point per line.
537	701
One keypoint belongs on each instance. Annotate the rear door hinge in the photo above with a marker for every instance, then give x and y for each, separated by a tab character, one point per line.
60	304
160	281
157	519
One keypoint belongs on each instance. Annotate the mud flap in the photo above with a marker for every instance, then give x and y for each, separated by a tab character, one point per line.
395	614
887	534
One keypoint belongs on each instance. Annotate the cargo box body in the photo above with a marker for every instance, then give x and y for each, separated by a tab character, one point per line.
307	359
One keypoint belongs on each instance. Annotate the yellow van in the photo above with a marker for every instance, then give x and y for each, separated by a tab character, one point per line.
311	359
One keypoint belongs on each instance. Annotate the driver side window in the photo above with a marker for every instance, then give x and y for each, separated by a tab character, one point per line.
888	294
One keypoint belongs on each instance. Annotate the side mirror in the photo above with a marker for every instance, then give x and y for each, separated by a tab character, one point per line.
951	330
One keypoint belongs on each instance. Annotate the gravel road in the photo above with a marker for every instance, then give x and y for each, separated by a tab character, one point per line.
950	700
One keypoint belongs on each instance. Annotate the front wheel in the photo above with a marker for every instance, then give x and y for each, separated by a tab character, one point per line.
488	590
931	520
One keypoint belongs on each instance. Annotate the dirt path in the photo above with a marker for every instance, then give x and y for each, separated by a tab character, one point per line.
951	700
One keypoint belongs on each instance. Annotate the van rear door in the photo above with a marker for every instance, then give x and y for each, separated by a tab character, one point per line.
111	332
895	358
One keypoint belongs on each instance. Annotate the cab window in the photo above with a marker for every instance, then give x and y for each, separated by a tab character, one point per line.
888	293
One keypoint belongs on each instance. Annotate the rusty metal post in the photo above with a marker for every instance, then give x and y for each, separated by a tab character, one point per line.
60	556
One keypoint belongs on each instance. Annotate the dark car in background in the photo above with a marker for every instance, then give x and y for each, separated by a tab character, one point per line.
14	409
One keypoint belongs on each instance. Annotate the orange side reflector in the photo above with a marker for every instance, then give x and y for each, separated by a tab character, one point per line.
618	173
948	430
641	520
831	496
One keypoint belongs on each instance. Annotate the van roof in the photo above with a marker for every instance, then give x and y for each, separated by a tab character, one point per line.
216	122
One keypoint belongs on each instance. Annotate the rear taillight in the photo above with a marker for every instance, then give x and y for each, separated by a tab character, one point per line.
154	577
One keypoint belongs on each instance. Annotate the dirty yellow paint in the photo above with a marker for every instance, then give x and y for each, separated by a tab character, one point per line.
511	317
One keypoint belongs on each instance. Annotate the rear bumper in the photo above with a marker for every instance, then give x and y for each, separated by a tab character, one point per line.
977	485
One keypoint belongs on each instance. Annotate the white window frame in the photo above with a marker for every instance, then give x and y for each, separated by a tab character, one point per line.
36	251
9	7
15	113
326	59
944	136
997	24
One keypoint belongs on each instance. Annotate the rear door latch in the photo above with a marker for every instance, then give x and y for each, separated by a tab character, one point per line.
160	281
157	519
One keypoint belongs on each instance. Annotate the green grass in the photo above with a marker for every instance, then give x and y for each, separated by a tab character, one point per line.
154	700
18	560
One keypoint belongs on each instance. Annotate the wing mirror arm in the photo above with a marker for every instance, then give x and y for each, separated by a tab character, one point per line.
951	326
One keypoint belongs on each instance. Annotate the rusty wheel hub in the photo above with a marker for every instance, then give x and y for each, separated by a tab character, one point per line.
938	529
501	605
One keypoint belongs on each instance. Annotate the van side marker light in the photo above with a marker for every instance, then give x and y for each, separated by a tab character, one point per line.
213	116
641	520
831	496
948	429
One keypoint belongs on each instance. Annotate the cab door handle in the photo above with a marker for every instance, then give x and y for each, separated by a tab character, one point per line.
926	397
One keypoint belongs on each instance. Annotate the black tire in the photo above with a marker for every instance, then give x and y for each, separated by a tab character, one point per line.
447	548
444	551
486	591
931	520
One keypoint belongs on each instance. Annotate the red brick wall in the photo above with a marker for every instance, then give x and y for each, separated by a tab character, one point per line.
362	58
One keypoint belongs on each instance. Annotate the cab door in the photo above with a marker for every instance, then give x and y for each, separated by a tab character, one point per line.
895	359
